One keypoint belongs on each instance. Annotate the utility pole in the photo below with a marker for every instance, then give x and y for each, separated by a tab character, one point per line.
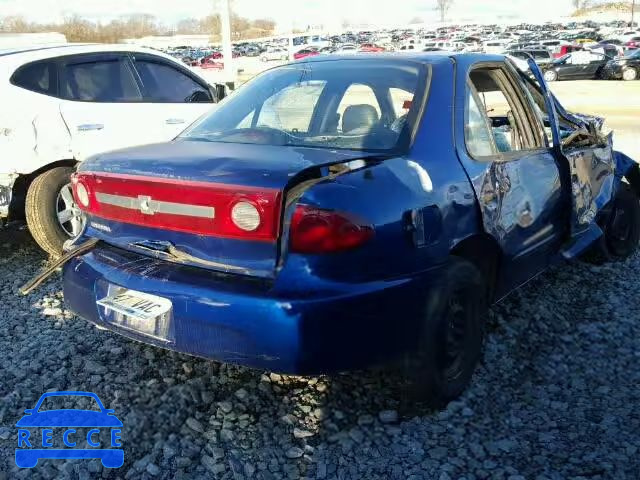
292	21
633	12
227	50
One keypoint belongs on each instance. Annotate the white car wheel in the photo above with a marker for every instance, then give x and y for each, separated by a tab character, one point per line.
629	74
52	215
550	76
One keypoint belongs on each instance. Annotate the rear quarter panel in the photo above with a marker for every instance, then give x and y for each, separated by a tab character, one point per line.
428	182
37	134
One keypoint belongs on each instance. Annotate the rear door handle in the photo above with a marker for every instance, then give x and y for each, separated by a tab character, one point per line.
174	121
86	127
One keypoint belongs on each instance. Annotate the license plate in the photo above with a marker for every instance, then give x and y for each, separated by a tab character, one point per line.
142	312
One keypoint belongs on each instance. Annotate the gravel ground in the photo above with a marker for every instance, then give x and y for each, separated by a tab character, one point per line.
556	397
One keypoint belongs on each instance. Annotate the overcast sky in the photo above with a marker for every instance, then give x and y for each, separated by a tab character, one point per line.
316	11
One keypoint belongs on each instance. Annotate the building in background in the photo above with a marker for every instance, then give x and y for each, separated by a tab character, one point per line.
15	40
171	41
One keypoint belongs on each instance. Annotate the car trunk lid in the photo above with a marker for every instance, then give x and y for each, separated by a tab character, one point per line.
212	205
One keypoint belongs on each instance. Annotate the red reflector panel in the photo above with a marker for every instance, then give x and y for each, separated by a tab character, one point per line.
200	208
323	231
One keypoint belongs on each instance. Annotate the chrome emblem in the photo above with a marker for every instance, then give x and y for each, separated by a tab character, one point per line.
144	205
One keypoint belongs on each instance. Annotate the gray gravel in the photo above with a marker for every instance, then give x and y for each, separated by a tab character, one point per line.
557	395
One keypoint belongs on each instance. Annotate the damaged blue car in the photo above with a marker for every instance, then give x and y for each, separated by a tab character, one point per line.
342	212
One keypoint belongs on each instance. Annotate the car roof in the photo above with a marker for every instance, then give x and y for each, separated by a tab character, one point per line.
415	56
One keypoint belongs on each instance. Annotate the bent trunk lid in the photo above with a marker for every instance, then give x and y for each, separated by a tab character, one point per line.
168	200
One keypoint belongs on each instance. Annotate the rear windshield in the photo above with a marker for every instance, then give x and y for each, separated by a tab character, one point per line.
349	104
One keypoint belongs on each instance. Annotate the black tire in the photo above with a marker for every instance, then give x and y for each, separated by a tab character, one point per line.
41	209
451	339
621	229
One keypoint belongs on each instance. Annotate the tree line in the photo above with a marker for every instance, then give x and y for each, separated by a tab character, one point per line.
78	29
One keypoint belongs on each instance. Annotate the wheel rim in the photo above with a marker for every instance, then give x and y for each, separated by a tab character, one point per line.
549	76
629	74
70	217
457	331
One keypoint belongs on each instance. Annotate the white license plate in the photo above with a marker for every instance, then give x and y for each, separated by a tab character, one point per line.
137	305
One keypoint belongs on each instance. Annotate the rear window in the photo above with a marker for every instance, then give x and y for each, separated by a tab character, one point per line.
350	104
40	77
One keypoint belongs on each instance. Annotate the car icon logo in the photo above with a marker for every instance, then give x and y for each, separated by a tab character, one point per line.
83	436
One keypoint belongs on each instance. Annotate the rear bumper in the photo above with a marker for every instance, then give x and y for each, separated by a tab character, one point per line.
310	329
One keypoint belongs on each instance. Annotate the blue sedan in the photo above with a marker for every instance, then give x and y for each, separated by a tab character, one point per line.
342	212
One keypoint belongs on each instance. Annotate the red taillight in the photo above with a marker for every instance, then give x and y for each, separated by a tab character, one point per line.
201	208
323	231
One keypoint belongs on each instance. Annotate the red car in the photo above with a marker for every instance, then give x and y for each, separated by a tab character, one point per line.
562	50
371	48
212	64
217	56
633	43
304	53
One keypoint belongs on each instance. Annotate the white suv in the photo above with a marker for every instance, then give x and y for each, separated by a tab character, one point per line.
64	103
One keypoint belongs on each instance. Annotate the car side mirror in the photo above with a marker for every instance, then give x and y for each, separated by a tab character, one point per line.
221	91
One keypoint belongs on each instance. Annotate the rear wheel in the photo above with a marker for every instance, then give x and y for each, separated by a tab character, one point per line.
451	339
52	215
621	229
629	74
550	76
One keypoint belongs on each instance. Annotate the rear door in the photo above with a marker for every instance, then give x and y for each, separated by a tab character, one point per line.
514	172
571	68
175	95
102	104
596	64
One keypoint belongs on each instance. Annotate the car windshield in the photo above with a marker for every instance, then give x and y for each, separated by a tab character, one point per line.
65	402
634	55
351	104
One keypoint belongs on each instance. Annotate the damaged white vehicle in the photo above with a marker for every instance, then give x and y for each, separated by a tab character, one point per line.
64	103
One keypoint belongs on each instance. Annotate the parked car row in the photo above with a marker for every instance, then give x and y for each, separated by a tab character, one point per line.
546	43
